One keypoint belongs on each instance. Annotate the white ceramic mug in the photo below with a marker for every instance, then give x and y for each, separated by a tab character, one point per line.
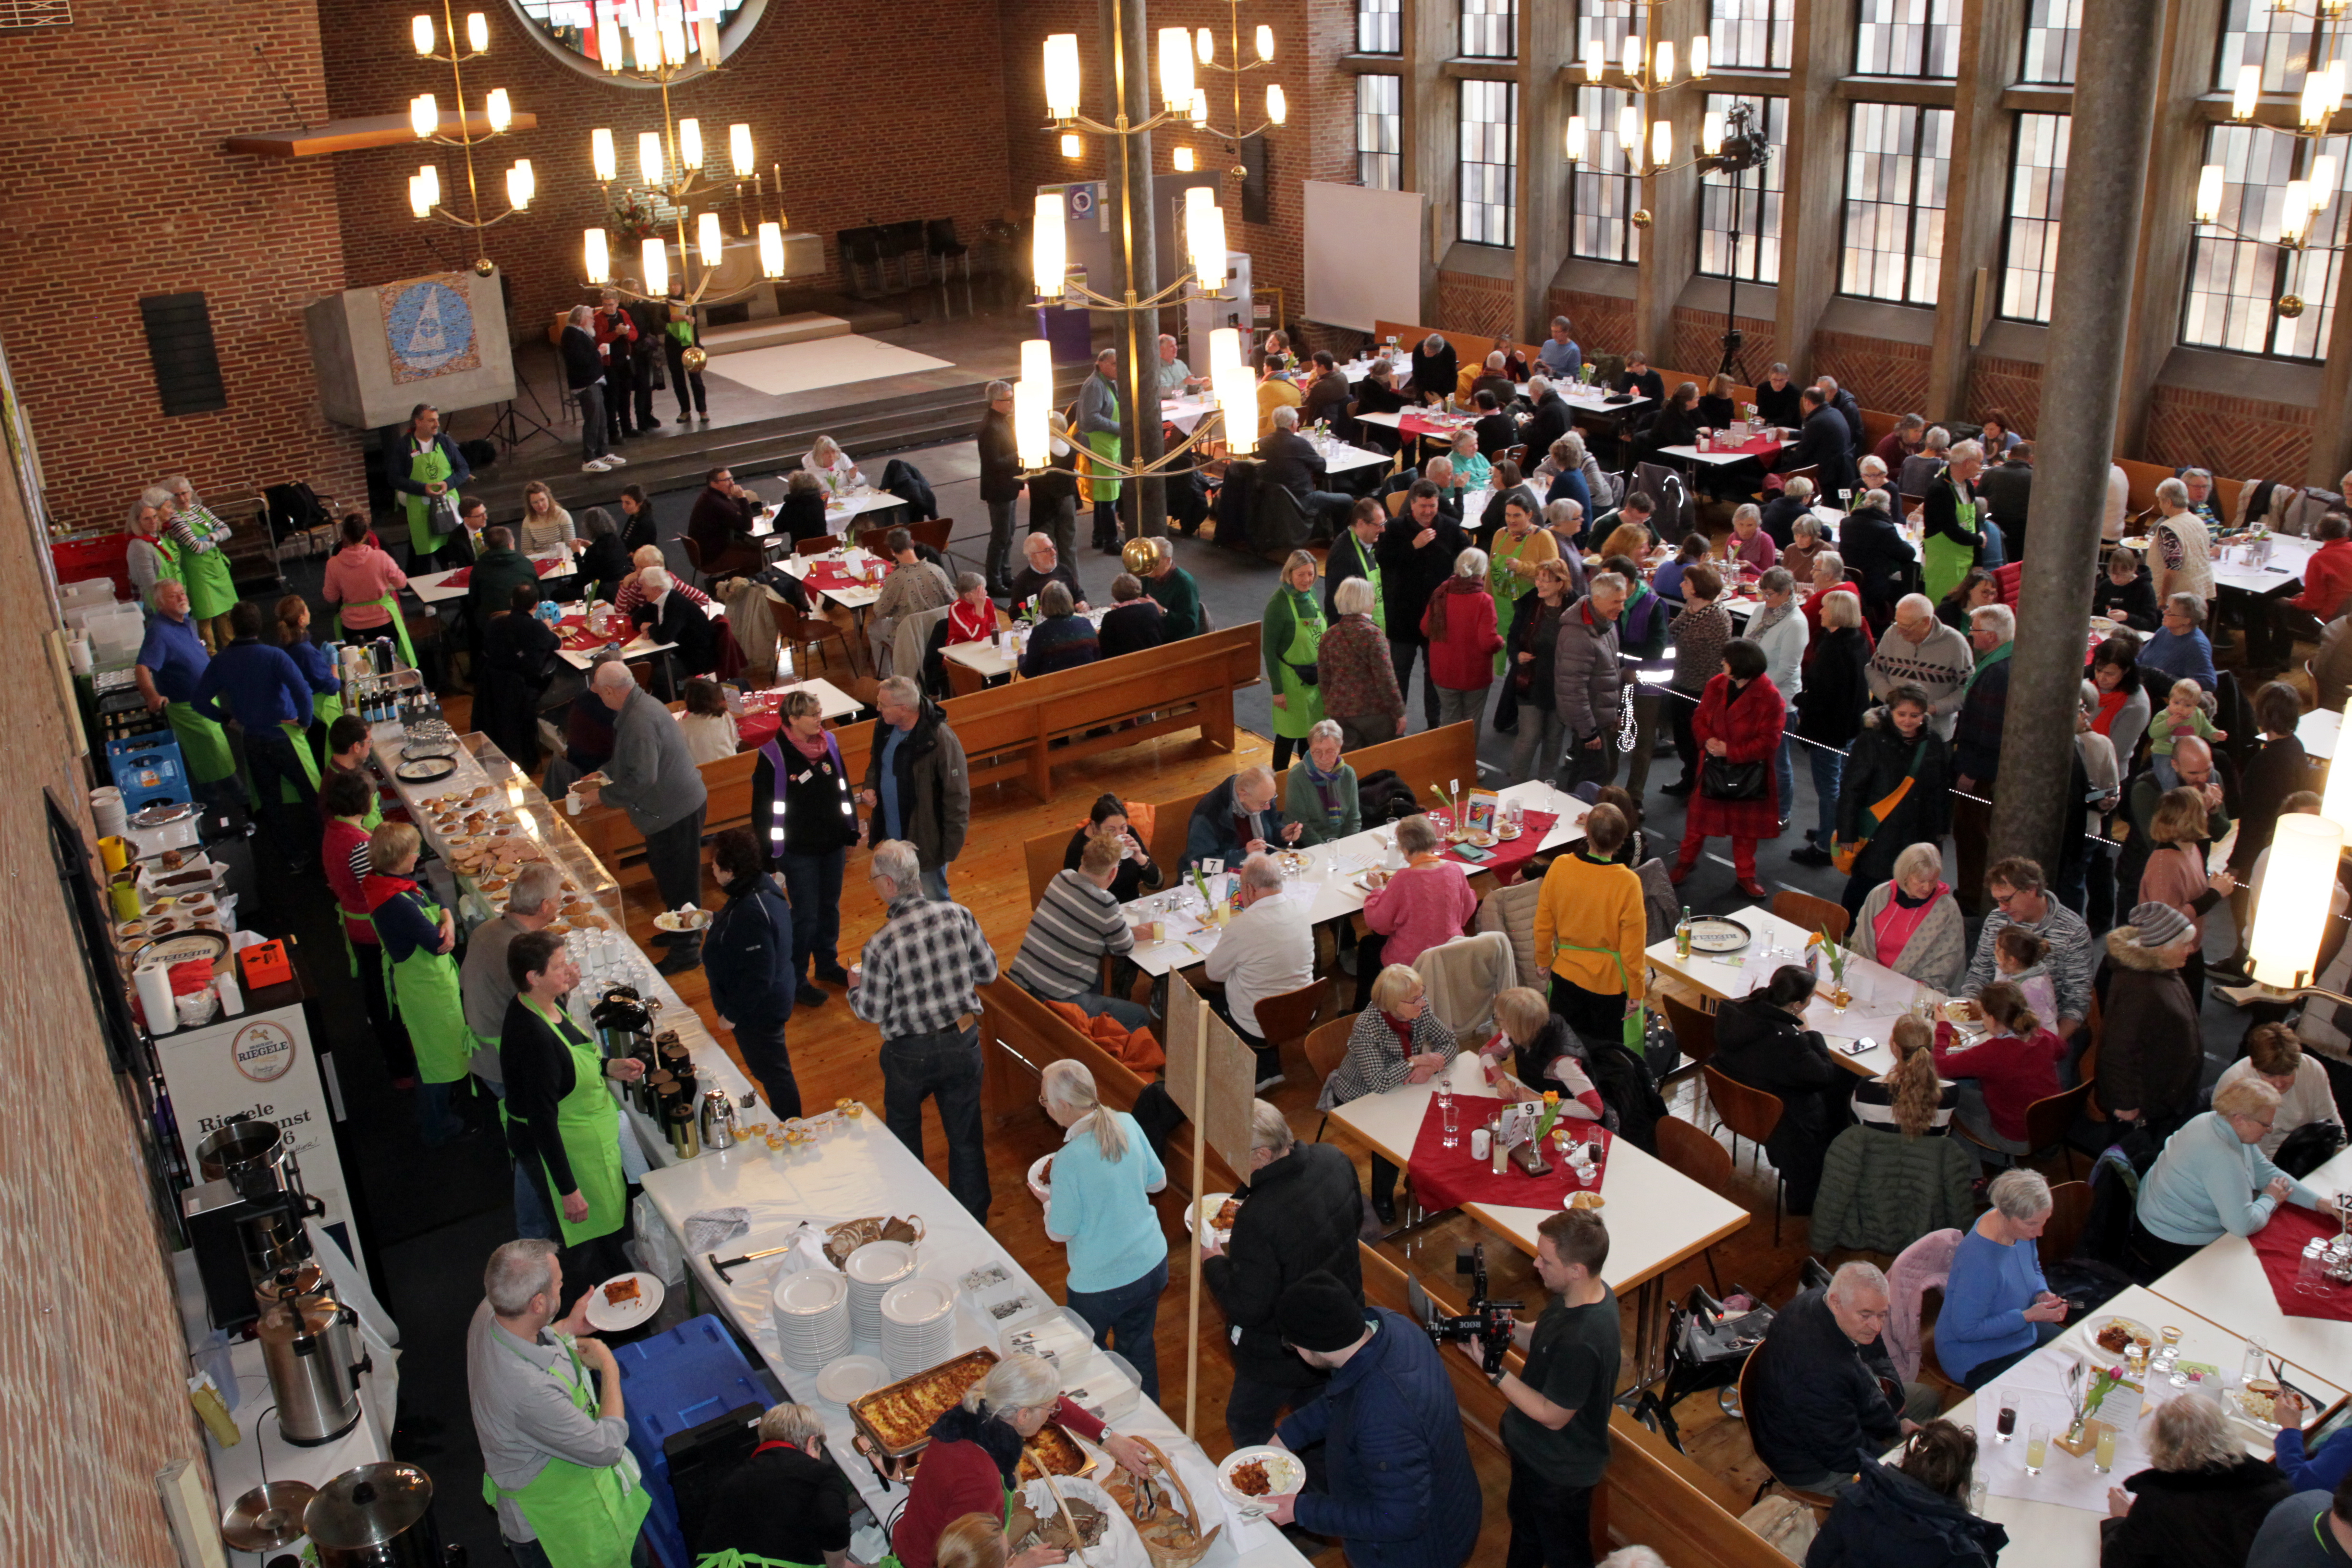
1481	1143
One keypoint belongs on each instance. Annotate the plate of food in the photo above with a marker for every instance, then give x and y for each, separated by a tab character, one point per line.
1219	1209
1958	1010
2114	1335
1477	837
682	920
425	770
2103	625
1252	1478
1040	1174
624	1302
1714	933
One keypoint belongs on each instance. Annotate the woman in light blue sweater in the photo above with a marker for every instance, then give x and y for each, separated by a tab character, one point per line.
1996	1308
2212	1180
1099	1207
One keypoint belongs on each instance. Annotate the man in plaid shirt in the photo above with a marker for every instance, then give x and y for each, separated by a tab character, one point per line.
917	982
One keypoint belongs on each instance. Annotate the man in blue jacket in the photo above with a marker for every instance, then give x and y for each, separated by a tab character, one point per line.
1237	819
1396	1486
267	695
748	958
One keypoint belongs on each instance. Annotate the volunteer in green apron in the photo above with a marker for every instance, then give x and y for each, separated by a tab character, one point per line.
1098	427
417	935
421	464
346	799
325	681
172	659
1955	522
1289	633
1353	555
563	1122
203	541
1520	546
347	753
784	1506
555	1457
144	558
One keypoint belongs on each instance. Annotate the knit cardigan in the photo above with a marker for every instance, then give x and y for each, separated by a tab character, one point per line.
1937	953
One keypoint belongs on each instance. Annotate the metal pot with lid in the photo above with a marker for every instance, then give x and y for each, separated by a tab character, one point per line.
625	1021
377	1516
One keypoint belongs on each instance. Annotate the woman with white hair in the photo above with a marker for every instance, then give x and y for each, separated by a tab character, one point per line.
836	474
635	589
1955	521
1472	469
2201	1500
974	1458
1291	634
1462	642
1355	673
1394	1041
1998	1308
150	558
1911	922
2213	1179
1570	481
201	541
1099	1205
784	1503
1318	793
1920	469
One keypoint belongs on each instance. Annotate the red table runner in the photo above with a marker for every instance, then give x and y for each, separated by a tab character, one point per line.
825	576
2280	1246
465	575
1446	1178
1506	859
578	639
1439	427
1755	447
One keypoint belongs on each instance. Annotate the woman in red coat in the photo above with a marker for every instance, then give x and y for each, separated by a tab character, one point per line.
1740	719
1460	625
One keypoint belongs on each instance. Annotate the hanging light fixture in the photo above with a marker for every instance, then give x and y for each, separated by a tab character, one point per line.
2208	203
1049	255
1277	109
609	45
477	32
1698	59
1662	142
1062	88
420	31
423	115
1207	45
710	237
1265	42
1073	144
1175	68
499	113
2298	884
739	151
593	252
1629	132
649	157
653	254
522	184
689	143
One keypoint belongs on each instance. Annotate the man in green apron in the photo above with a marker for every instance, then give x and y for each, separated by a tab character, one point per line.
172	660
555	1457
1351	556
422	466
1098	428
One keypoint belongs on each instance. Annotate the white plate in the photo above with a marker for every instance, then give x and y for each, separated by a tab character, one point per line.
850	1377
918	1303
1283	1469
670	919
1039	1188
811	1293
605	1315
1208	1206
880	1262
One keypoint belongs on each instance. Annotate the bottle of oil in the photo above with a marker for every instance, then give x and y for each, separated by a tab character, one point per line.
1683	934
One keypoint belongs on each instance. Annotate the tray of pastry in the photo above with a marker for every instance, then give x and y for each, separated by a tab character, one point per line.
897	1417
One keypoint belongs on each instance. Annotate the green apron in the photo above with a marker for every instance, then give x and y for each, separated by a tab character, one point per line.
584	1518
1304	707
588	1120
169	570
212	585
426	467
1507	586
398	627
423	990
204	744
1371	573
730	1558
1946	561
304	758
1104	444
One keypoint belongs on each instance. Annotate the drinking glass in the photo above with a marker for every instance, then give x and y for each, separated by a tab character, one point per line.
2257	1362
2005	1423
1449	1118
2103	1457
1980	1493
2037	1447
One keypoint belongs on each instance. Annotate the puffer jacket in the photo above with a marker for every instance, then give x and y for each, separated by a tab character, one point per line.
1814	1401
1886	1520
1399	1489
2192	1518
2150	1042
1879	760
1882	1193
1586	675
1307	1221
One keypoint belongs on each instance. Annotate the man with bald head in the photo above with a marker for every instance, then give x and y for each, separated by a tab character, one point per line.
1235	820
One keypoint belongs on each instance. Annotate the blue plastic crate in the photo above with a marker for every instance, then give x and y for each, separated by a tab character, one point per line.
148	769
674	1381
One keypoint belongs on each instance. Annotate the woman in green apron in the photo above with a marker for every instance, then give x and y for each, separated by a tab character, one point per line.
563	1123
1955	522
582	1517
417	935
784	1506
1098	427
325	681
423	464
203	540
1520	546
147	559
1291	631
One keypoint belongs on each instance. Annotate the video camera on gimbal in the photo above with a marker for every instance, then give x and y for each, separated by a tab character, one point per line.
1488	1321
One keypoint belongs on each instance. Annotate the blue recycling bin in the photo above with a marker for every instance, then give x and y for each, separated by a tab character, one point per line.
673	1382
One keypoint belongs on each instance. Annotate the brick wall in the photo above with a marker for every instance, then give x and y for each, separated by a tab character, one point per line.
872	117
1467	302
2233	435
1881	374
2011	385
1603	323
116	187
1694	344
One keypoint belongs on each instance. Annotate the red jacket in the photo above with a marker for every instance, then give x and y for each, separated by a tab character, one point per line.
615	327
1463	659
2014	1073
336	850
2327	580
1749	723
959	1477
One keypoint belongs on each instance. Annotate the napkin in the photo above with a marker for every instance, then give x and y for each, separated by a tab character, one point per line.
714	1228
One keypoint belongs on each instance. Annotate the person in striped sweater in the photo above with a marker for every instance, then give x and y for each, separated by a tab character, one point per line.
1077	923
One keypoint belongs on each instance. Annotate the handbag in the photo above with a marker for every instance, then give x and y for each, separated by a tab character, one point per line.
1636	1032
441	513
1723	779
1844	855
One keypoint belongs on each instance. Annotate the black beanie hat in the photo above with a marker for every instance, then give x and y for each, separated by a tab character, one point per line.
1319	1313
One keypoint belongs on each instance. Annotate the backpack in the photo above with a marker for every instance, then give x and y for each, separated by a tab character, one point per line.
1383	798
1626	1090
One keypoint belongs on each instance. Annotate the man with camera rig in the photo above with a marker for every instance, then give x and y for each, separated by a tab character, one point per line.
1557	1429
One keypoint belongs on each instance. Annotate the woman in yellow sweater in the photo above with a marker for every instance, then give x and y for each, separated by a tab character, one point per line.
1590	930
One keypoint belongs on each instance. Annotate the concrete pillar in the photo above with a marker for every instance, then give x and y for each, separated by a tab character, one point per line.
1547	36
1129	73
1431	126
2114	103
1812	176
1993	34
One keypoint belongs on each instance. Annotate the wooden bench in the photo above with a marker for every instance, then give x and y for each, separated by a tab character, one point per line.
1470	349
1020	1036
1451	753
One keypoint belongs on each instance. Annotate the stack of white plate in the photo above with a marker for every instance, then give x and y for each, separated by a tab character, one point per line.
812	1313
873	1269
918	1326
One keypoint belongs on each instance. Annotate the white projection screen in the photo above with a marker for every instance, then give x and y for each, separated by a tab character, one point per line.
1363	255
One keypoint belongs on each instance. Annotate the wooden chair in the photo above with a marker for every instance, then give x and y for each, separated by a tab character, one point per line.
693	559
1685	1148
1820	1502
817	546
963	679
1283	1019
1749	1113
2069	1211
804	632
1326	1047
2047	1123
1396	499
1814	914
1694	1030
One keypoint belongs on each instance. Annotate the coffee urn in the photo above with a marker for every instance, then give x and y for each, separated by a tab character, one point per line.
378	1516
310	1349
245	1217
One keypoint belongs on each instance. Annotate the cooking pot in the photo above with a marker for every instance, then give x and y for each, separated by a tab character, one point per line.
256	1156
310	1349
377	1516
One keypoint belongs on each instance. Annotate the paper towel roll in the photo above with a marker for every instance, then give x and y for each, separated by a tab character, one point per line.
232	1000
154	984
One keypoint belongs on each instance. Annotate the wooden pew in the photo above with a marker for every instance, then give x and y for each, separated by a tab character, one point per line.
1020	1037
1451	753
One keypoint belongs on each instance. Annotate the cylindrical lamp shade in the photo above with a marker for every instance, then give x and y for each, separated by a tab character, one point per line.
1224	348
1033	397
772	250
649	156
423	115
656	258
2248	93
1662	142
499	113
1596	64
611	50
1575	138
1710	133
601	154
2209	193
1207	42
1183	158
1048	254
520	186
599	261
478	31
1037	362
1062	75
429	181
2298	884
707	39
420	33
1665	57
739	150
1073	144
1175	68
1277	109
1265	42
1206	235
709	238
1698	56
417	204
1236	391
689	143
